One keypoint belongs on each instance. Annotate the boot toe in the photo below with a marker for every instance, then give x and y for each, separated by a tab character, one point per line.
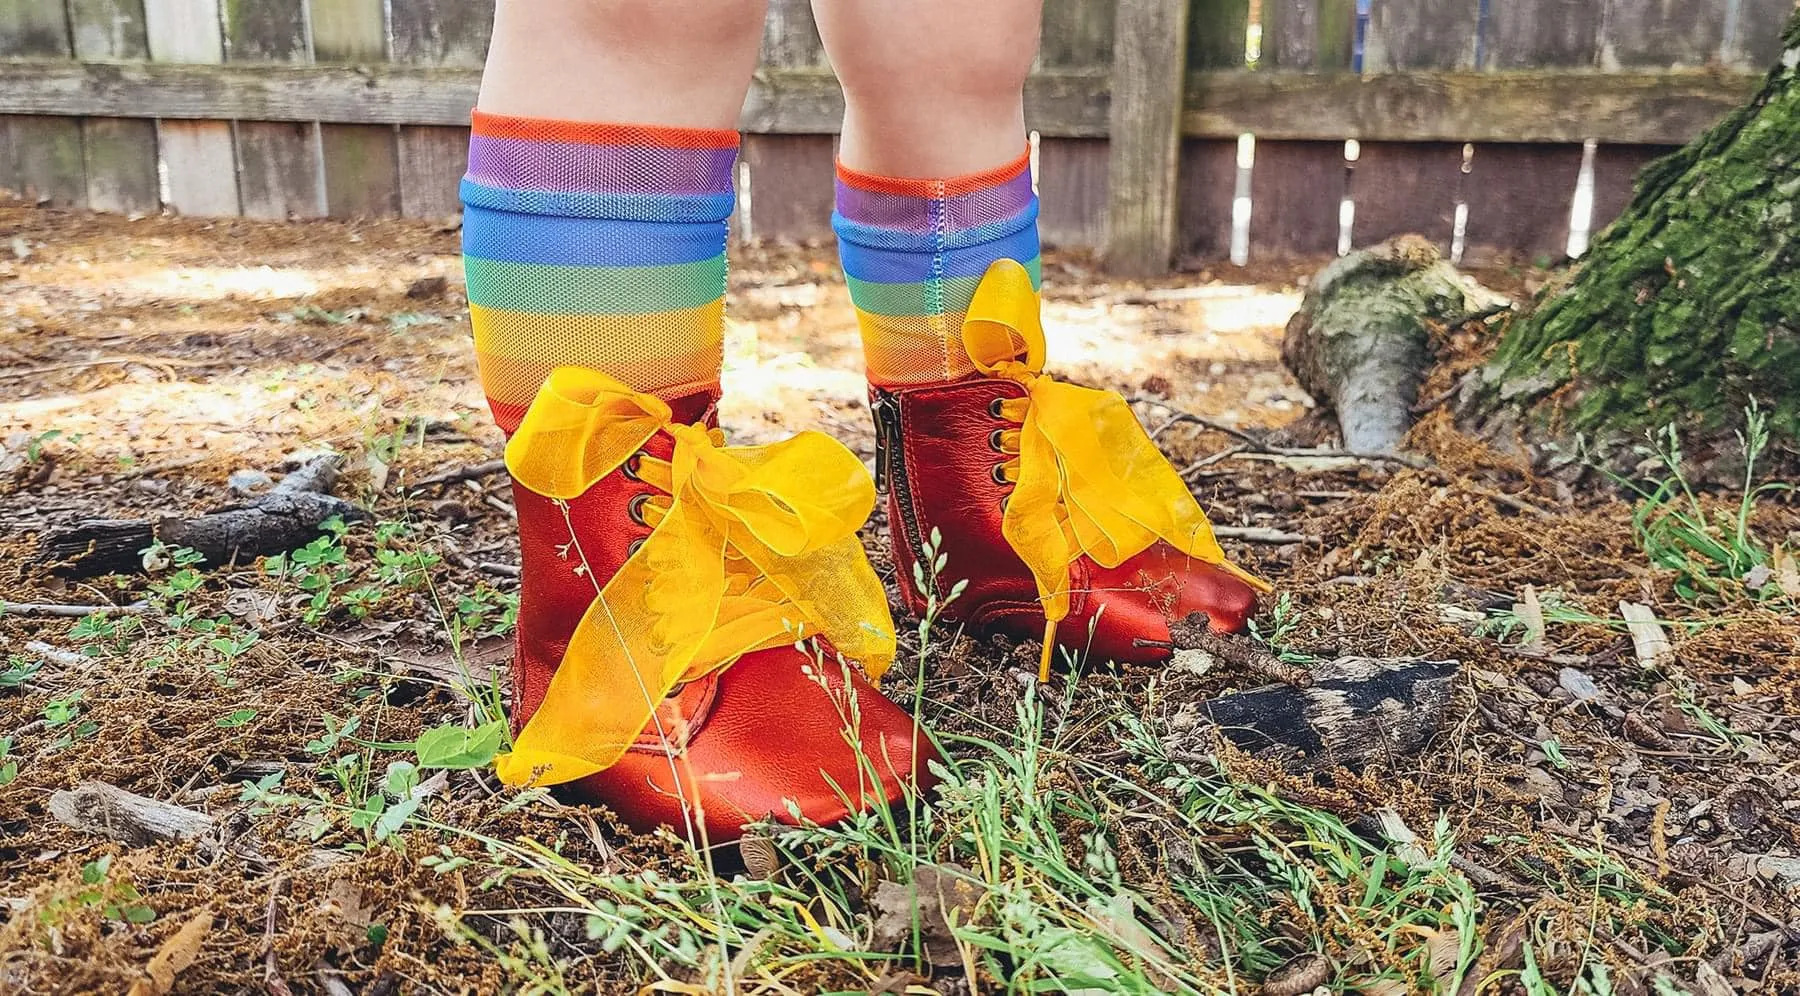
784	729
1136	601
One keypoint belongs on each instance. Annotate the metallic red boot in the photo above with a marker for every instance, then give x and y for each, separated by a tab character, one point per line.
714	563
1048	499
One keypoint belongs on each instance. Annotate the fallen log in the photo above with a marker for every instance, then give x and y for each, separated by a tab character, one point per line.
1357	711
288	516
1361	339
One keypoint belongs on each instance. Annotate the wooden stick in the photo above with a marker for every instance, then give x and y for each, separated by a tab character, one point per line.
474	471
66	611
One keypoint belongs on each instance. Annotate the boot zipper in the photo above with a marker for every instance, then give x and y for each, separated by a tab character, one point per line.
890	467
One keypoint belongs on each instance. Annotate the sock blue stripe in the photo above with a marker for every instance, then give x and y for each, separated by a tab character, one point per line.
553	241
894	266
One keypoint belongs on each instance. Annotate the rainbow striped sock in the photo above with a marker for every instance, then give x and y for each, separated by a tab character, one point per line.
595	245
913	251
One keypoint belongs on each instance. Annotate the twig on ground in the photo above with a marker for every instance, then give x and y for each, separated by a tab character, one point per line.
57	655
67	611
1196	632
1206	461
471	472
166	362
1262	447
1262	534
504	570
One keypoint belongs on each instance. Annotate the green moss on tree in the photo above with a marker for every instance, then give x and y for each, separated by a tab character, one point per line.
1684	308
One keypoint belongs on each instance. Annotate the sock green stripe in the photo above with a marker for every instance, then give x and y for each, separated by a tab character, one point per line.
918	299
593	290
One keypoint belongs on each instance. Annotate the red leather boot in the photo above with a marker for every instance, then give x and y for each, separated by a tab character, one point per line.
1110	547
735	740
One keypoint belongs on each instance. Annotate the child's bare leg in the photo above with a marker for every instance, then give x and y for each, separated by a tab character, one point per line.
683	63
932	88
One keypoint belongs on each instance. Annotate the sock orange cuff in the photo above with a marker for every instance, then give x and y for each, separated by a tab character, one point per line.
600	133
933	187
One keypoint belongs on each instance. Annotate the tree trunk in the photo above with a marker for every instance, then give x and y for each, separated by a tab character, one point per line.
1685	309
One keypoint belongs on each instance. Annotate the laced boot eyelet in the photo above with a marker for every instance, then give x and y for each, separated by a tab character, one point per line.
995	442
994	407
999	474
634	509
631	549
629	469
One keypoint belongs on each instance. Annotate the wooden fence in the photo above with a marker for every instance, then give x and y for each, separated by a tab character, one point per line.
1200	128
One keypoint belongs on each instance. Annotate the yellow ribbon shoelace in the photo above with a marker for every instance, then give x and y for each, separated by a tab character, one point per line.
753	547
1089	480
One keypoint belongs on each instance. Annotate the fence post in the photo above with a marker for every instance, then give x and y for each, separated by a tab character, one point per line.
1149	71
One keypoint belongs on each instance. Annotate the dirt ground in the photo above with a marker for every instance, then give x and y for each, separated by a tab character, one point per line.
1611	808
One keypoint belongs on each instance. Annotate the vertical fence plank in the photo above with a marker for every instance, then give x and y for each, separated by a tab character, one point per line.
1402	187
1149	58
1307	34
354	31
45	162
199	167
1071	172
198	164
108	30
1530	34
1077	33
791	37
119	153
791	186
362	171
1298	192
1208	174
1519	198
278	161
348	31
441	32
1755	41
1298	188
33	28
265	30
1615	174
1660	34
790	175
1215	31
432	163
278	169
1421	34
430	160
1206	170
1072	192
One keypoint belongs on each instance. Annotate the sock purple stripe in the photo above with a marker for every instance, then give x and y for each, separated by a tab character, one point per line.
576	168
918	215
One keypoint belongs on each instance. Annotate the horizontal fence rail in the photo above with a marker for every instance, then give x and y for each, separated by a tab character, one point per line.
1163	128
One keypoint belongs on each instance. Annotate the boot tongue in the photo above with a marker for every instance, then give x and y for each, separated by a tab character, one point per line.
1003	332
700	406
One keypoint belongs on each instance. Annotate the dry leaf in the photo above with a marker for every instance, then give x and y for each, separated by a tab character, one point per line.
346	900
1647	636
176	954
1531	613
762	860
1787	572
941	896
1710	983
1299	974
